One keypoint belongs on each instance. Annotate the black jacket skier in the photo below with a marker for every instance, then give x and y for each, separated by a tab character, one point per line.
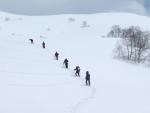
87	78
43	44
77	69
66	63
56	55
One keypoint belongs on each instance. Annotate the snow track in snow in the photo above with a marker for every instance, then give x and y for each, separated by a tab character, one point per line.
75	108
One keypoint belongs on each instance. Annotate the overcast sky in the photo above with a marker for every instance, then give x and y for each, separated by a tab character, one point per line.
48	7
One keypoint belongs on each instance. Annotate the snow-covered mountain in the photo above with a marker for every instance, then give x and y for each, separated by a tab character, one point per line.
31	81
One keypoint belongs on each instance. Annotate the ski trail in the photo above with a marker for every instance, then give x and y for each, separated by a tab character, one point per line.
75	108
82	102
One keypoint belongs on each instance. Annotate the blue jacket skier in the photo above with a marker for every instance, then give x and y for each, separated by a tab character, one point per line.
31	40
87	78
66	63
77	71
56	55
43	44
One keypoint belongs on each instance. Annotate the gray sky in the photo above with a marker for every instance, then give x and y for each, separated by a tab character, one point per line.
48	7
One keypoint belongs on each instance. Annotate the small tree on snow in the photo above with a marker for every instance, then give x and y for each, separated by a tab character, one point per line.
71	19
85	24
7	19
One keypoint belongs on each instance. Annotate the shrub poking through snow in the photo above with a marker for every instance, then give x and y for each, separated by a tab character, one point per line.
71	19
84	24
7	19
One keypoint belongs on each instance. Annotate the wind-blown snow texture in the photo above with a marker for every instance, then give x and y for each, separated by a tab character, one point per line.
31	81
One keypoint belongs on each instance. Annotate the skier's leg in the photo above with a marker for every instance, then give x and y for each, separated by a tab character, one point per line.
79	74
76	73
65	65
86	82
89	83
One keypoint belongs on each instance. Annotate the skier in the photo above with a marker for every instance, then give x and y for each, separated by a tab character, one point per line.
66	63
31	41
87	78
77	69
43	44
56	55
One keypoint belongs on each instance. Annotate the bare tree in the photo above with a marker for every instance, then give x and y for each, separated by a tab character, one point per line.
115	31
118	51
134	44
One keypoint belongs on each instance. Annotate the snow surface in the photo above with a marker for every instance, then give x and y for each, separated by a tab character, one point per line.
31	81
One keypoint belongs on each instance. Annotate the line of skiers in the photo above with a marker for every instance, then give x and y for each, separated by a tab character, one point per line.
65	63
77	70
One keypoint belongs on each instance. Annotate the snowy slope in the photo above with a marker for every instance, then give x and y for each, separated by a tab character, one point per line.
31	81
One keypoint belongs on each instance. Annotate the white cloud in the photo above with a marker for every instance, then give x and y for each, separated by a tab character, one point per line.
72	6
136	7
